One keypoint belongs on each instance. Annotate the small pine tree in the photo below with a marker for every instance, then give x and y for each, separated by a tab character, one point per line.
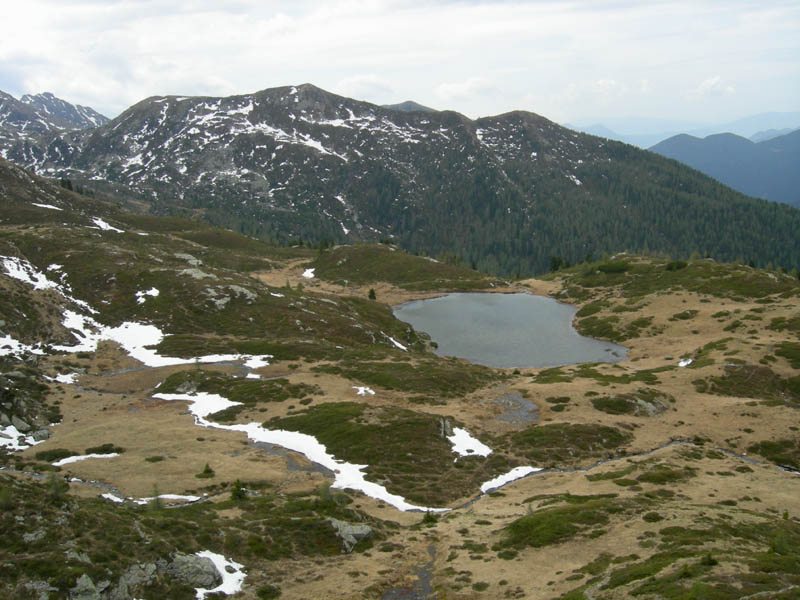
237	491
56	487
371	294
206	473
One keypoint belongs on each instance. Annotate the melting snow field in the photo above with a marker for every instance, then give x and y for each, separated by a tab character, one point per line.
105	226
136	338
62	378
50	206
363	391
308	273
74	459
466	445
512	475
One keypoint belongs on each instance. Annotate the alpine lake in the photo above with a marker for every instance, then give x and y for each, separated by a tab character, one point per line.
506	330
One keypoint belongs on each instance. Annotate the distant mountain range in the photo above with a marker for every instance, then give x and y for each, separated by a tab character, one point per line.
30	124
644	133
505	193
769	169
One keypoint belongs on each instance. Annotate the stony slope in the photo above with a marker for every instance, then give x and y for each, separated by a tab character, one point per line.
31	126
658	480
505	193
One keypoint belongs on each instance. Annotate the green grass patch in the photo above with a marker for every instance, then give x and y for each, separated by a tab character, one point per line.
55	454
752	381
557	524
435	377
565	442
248	392
783	452
644	402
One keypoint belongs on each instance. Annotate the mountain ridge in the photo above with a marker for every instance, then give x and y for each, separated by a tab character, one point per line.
766	169
505	193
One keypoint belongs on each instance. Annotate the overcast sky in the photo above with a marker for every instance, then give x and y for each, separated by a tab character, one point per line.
568	61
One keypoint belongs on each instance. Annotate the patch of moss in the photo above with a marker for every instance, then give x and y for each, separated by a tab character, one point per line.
642	402
557	524
566	442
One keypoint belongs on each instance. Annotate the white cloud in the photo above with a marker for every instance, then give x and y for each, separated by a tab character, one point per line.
474	86
479	57
713	86
365	87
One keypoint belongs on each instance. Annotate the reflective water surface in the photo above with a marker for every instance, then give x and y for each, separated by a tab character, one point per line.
506	330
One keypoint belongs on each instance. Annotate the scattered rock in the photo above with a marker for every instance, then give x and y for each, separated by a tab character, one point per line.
445	428
15	375
135	576
4	420
78	556
197	274
241	291
349	533
195	262
41	435
42	587
35	536
187	387
21	425
196	571
84	589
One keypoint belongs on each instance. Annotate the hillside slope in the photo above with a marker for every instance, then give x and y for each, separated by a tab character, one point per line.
174	393
505	193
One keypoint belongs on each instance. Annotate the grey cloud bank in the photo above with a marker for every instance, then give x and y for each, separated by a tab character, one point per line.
677	60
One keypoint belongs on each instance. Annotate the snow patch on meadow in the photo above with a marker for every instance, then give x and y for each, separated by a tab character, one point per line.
347	475
12	439
231	580
105	226
512	475
73	459
466	445
137	339
142	296
50	206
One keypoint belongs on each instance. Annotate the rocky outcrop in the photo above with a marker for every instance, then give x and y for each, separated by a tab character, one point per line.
84	589
196	571
132	578
22	426
350	533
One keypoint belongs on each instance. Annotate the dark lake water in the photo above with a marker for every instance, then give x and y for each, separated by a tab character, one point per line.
506	330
